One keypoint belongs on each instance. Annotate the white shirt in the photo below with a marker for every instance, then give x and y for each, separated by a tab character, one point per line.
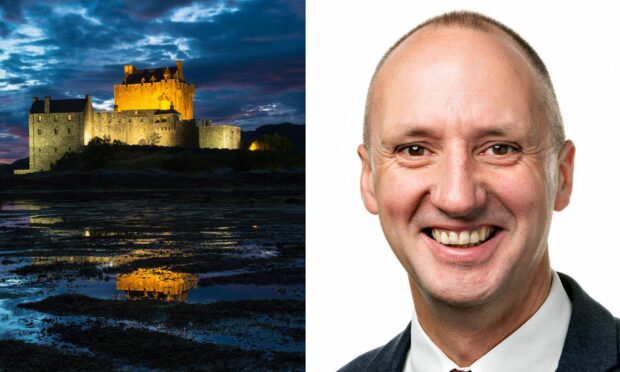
535	346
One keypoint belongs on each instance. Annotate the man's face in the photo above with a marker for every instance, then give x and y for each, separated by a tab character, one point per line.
460	168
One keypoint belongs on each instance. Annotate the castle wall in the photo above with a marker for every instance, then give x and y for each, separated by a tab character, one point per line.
219	137
157	95
53	135
136	128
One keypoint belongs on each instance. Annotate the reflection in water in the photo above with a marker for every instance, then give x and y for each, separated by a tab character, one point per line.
38	220
156	283
20	205
108	261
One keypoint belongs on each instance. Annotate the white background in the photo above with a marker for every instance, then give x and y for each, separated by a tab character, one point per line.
357	293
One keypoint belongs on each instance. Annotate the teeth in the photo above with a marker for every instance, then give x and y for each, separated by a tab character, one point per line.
444	238
454	237
474	237
464	238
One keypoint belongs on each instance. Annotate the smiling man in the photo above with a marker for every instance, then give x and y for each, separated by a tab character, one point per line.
464	161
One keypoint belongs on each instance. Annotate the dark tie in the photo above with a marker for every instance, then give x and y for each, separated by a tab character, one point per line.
460	370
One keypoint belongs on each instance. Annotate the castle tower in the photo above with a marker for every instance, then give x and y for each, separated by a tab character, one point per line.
152	89
55	127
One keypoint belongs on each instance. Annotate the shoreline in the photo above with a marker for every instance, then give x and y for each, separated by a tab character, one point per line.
114	181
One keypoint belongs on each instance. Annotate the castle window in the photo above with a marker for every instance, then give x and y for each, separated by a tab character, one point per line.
55	149
140	120
39	131
69	148
69	117
68	130
55	130
40	118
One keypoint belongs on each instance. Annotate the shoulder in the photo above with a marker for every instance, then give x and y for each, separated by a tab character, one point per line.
389	357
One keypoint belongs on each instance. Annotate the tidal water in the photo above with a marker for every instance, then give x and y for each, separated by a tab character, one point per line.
173	246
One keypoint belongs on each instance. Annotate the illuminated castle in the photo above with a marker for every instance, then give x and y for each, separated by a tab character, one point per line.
151	107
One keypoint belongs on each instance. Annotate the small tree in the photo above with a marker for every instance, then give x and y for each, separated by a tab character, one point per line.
276	142
153	139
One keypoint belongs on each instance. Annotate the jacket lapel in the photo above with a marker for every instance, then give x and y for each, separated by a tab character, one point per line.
391	357
592	339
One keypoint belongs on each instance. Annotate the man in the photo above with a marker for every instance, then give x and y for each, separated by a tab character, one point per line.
464	160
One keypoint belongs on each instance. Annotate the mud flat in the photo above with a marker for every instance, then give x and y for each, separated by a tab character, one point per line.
154	279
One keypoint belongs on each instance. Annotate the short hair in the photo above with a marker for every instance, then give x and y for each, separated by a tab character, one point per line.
477	21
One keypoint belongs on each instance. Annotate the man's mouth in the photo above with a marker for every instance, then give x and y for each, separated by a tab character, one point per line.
463	238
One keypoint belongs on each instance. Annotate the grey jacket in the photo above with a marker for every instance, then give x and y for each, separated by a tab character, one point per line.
592	341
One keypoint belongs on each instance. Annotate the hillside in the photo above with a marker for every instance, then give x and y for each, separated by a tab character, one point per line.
294	132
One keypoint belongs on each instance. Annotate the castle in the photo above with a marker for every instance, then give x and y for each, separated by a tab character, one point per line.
151	107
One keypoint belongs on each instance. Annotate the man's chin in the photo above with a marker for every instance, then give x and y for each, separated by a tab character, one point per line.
459	290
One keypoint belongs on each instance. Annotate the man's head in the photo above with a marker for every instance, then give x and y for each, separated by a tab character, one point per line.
464	159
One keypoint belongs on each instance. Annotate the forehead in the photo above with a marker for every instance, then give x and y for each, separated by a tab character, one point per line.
452	76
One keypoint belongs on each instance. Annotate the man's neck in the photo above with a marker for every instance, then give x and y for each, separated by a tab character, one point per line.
465	334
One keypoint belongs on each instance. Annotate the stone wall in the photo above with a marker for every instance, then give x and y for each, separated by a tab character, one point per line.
219	137
53	135
157	95
144	128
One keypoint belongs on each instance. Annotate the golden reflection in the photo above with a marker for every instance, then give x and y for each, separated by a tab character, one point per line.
44	220
255	146
156	283
110	261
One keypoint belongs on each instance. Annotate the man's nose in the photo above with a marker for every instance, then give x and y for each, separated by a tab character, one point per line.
457	191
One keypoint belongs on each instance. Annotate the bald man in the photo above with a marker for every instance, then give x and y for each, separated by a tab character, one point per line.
464	161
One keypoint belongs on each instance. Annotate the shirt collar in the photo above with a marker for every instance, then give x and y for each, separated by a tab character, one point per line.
536	345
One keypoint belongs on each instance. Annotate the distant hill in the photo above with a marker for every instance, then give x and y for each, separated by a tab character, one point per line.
295	132
17	164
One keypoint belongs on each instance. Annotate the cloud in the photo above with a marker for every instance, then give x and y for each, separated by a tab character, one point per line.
197	12
245	57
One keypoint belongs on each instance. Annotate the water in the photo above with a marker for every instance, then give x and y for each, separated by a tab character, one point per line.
163	245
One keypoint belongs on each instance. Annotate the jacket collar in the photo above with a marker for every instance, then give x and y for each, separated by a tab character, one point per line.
591	340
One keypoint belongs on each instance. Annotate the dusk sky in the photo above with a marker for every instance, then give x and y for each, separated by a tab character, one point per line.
246	58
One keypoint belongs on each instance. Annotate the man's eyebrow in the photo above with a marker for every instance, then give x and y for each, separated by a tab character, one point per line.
417	131
496	132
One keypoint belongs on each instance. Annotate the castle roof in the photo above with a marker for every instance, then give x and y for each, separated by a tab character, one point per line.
59	105
151	75
169	111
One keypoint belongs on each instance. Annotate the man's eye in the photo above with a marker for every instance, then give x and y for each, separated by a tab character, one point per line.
415	150
501	149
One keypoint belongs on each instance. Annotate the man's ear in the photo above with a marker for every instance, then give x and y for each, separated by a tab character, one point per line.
565	176
367	185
